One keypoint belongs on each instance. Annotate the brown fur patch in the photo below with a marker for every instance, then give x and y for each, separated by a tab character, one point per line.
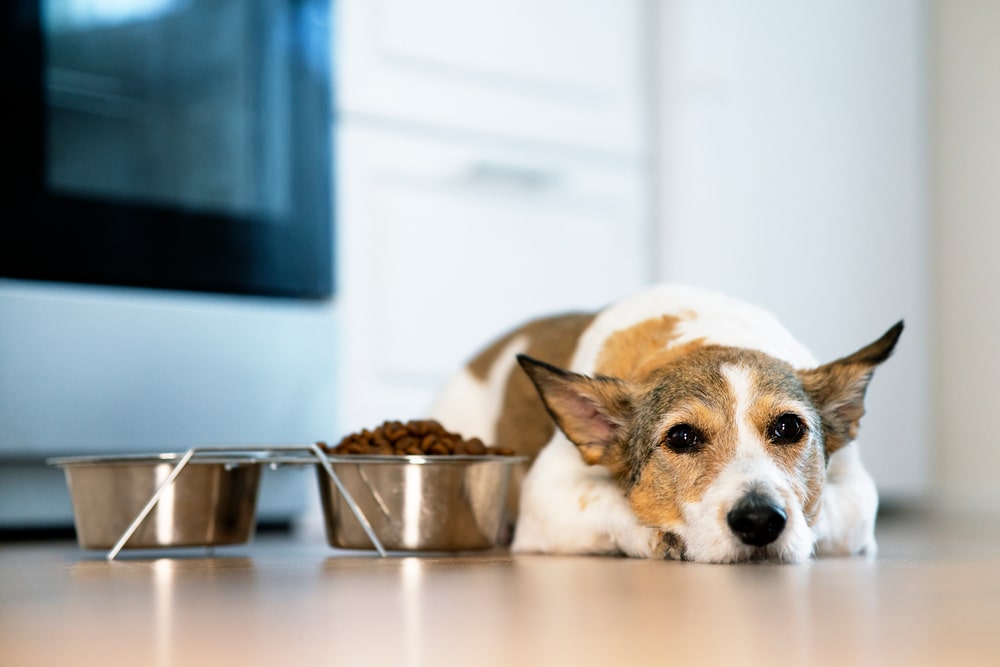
636	352
670	481
523	424
655	500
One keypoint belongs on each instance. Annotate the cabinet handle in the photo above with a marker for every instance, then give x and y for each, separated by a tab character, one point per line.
497	174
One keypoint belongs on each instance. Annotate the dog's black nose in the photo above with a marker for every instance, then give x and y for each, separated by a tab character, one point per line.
756	520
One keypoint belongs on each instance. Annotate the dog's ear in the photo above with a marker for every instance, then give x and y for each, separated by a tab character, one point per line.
591	411
838	388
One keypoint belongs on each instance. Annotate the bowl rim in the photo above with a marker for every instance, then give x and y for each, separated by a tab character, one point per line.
231	459
424	459
263	456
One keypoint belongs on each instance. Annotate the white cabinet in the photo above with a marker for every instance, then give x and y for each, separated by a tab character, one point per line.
490	169
558	71
445	245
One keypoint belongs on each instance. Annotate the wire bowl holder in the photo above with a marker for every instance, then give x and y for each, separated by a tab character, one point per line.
273	455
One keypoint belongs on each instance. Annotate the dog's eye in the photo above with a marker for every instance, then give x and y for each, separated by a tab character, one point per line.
683	438
787	429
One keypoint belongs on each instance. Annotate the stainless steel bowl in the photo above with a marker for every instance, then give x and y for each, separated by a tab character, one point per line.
212	501
418	503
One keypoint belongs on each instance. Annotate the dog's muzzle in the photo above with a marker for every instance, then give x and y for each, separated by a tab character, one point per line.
756	520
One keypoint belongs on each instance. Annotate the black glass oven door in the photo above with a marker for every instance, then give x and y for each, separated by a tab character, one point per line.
177	144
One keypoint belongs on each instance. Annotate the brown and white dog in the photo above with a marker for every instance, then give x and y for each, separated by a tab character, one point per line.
690	426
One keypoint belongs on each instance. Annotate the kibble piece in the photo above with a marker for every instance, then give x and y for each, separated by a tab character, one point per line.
475	447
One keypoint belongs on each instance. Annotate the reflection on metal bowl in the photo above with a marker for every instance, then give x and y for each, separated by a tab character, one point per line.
212	502
418	503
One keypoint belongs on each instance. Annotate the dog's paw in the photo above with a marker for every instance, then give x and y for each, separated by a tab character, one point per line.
669	546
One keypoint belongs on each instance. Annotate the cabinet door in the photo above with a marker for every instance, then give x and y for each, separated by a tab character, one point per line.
556	70
445	246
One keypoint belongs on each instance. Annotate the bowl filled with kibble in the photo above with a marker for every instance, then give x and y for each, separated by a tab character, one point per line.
420	486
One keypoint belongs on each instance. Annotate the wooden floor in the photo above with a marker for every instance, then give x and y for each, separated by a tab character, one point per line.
931	598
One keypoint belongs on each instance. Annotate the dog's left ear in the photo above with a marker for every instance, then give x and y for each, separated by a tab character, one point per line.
591	411
838	388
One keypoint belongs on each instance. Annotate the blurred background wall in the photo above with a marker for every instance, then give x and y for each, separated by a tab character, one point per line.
965	127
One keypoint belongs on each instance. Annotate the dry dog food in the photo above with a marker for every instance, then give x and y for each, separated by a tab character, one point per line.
417	437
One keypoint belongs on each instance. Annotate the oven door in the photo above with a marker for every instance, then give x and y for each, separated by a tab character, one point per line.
179	144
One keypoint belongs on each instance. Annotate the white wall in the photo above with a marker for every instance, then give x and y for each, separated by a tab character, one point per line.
792	173
966	130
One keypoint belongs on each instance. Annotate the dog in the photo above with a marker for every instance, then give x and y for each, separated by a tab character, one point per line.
676	423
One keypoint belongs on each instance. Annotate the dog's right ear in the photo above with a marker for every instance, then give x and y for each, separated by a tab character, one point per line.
591	411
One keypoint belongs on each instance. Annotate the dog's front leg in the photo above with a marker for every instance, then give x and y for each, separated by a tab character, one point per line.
669	547
568	507
846	524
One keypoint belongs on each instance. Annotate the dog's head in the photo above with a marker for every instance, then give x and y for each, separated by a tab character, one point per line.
723	449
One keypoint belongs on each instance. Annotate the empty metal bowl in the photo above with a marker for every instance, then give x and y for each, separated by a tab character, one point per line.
418	503
211	502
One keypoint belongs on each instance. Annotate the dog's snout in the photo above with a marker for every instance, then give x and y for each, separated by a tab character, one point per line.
756	520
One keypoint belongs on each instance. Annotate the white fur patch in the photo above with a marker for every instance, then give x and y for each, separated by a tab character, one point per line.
846	522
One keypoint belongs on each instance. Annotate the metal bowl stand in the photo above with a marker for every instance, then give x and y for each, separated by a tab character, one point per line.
270	454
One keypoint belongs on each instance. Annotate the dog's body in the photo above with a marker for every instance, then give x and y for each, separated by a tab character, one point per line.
691	425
